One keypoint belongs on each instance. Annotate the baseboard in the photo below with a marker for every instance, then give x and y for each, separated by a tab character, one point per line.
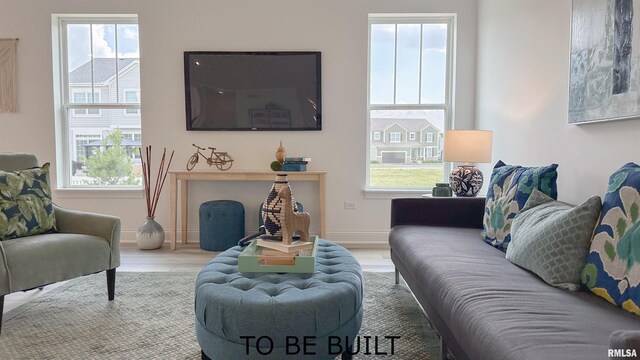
348	239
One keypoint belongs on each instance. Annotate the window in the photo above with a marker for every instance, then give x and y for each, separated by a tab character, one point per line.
429	137
84	97
376	135
97	72
409	80
430	152
132	97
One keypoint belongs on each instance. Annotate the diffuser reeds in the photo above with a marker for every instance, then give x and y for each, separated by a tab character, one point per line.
152	199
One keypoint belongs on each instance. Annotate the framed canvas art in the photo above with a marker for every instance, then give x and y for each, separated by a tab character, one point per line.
604	78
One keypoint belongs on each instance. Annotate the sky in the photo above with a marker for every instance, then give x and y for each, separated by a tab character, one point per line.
104	42
433	47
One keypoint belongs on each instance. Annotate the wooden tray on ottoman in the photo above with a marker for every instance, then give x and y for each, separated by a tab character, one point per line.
252	260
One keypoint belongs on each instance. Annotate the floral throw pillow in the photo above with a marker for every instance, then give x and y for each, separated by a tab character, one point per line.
25	203
509	190
613	264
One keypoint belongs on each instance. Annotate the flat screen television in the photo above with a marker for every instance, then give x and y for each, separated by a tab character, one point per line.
252	90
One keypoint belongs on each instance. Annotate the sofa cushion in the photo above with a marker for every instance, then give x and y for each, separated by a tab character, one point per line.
509	189
497	310
613	265
47	258
552	238
25	203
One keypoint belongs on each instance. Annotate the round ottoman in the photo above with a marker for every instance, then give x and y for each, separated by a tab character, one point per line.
279	316
221	224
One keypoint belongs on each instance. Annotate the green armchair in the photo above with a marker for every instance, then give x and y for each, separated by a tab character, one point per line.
84	243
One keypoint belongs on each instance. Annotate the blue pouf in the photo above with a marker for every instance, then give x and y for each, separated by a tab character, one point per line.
255	315
221	224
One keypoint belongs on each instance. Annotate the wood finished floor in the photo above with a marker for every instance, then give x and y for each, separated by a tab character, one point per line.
188	258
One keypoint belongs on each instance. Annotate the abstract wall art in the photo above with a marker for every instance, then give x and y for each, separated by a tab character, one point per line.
8	101
604	78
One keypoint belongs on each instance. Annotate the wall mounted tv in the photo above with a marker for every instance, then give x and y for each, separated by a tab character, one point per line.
252	90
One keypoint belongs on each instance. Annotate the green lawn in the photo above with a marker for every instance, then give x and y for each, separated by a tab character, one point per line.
404	175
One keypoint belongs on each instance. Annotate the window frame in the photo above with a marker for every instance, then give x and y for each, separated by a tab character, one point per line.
83	90
412	136
62	102
394	141
124	98
447	106
429	137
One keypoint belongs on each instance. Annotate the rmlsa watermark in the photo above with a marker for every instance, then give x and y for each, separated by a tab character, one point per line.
335	345
622	353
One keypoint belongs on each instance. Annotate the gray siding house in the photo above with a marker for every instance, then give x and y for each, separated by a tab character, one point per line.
405	141
89	126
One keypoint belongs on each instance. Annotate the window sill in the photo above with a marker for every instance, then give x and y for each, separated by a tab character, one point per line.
100	193
394	193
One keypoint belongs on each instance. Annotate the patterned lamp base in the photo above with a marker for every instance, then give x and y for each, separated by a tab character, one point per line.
466	180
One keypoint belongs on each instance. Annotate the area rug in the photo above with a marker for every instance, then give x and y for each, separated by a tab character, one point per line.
152	318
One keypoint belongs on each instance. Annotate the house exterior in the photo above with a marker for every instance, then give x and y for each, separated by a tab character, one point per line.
405	141
89	126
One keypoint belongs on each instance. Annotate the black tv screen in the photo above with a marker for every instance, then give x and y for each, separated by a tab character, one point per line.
252	90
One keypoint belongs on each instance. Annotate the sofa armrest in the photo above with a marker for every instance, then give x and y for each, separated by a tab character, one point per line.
625	340
438	211
104	226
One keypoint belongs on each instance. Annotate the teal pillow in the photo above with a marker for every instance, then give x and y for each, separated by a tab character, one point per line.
613	265
25	203
552	239
509	190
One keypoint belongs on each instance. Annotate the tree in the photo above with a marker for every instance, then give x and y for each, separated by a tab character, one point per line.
111	165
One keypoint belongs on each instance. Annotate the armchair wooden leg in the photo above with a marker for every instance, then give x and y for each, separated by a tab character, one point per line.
111	283
1	310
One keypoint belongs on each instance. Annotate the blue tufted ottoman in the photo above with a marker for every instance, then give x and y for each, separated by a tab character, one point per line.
271	316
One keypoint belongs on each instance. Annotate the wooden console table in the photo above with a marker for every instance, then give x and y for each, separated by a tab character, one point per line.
182	177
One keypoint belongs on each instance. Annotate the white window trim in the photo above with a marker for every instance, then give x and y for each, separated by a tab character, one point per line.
124	98
412	136
376	136
429	137
392	134
63	106
429	153
87	91
451	20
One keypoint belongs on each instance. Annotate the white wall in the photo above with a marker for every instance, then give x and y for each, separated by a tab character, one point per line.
338	28
522	95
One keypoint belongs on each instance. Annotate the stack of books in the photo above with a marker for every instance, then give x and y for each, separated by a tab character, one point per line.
271	252
295	163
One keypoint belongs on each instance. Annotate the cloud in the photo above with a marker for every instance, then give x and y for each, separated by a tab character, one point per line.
101	48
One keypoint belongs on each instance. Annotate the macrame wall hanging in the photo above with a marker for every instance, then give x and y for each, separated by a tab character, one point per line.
8	101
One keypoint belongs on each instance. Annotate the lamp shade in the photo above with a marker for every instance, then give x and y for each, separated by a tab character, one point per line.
468	146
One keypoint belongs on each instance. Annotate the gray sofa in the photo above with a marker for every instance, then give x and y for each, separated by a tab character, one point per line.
84	243
485	307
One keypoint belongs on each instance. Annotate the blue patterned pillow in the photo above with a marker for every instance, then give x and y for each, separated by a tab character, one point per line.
613	263
25	203
509	189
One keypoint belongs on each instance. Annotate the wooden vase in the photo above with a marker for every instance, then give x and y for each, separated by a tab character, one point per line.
281	153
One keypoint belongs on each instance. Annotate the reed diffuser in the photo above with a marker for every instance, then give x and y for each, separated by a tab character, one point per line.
151	234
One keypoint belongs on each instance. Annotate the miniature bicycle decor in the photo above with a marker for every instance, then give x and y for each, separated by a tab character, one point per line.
220	159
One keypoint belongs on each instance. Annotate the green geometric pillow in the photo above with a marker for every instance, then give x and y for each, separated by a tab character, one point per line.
613	264
551	238
509	190
25	203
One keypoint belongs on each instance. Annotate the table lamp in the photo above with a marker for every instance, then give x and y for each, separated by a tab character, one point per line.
467	146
